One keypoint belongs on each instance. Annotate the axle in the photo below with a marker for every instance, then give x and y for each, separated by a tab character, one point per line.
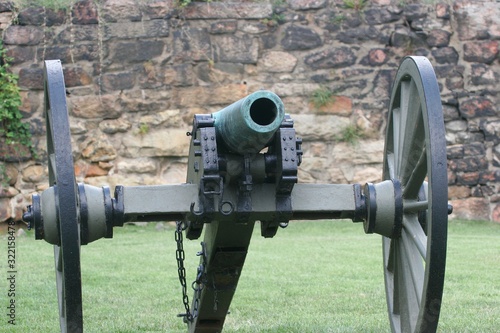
100	212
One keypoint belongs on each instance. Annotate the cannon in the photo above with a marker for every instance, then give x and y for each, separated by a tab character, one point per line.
242	169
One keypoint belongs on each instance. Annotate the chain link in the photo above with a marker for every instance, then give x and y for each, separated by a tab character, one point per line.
180	257
200	281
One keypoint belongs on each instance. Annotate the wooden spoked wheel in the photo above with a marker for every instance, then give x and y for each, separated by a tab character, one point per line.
61	176
415	155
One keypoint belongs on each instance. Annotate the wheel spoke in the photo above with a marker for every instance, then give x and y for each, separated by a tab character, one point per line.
416	265
405	96
390	165
406	265
58	258
50	148
396	130
413	136
389	264
392	274
416	177
415	234
409	305
396	279
52	169
60	286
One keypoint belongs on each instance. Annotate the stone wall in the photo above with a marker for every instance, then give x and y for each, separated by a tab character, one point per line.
136	72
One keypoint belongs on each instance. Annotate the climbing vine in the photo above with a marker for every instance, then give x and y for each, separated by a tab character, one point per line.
12	130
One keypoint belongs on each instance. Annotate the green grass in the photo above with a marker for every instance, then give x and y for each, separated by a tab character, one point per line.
312	277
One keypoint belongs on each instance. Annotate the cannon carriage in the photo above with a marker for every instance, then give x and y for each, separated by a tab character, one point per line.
242	168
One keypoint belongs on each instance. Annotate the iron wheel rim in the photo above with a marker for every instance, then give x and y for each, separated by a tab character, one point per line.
415	154
61	176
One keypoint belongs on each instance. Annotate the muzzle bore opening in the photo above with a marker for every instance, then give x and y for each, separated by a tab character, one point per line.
263	111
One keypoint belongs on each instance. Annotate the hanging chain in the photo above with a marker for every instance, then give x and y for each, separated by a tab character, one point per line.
198	284
180	256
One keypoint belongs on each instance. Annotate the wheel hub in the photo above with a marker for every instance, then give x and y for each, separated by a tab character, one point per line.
384	208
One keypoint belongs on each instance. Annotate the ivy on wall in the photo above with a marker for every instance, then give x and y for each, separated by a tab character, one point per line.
13	132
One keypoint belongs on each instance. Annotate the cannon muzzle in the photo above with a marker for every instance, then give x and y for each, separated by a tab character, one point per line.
247	125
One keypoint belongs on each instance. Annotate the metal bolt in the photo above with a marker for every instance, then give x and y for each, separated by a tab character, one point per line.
28	217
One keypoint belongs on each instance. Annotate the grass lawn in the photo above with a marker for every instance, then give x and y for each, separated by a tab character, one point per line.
312	277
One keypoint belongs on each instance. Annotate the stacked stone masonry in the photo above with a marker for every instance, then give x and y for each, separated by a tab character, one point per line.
137	71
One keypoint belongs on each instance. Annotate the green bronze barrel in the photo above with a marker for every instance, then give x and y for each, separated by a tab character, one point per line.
247	125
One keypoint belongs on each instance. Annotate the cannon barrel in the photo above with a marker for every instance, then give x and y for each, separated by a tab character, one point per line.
247	125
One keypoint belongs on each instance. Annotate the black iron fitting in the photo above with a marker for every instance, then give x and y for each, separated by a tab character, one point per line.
108	211
84	215
244	204
211	182
201	121
118	207
360	204
34	217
